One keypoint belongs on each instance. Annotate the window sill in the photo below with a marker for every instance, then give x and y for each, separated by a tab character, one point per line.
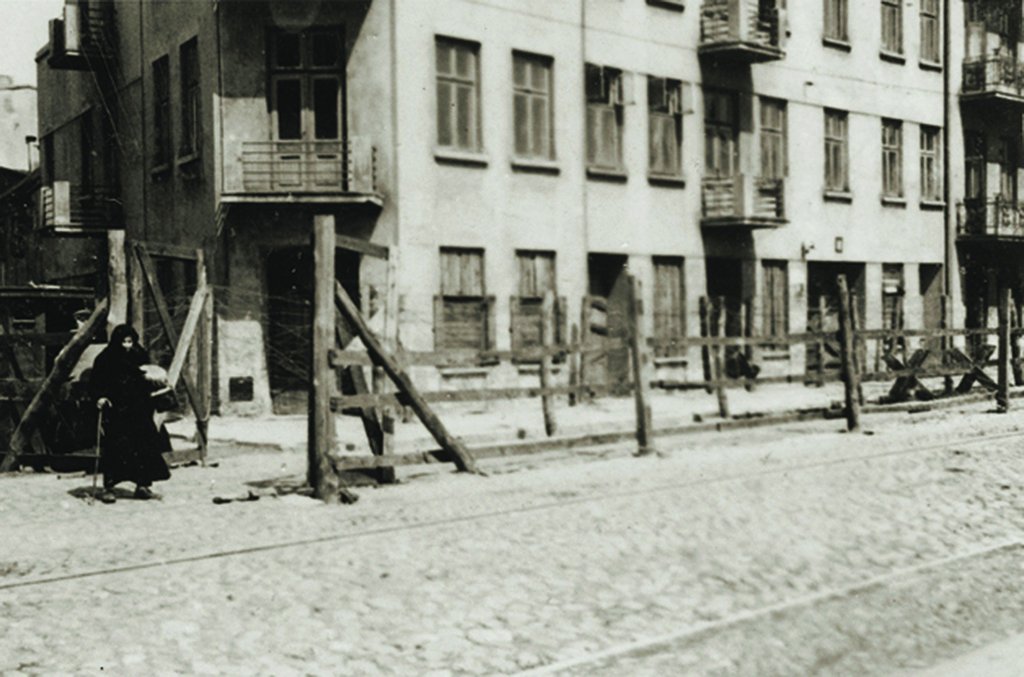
837	43
667	180
838	196
775	355
933	205
605	174
463	372
930	65
670	361
892	57
668	4
535	166
892	201
461	157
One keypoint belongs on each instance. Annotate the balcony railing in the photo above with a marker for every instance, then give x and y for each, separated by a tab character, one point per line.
743	201
749	30
64	206
997	76
990	217
320	167
82	38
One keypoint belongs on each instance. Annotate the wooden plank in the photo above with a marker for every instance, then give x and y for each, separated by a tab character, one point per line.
475	395
149	275
204	353
717	365
168	251
117	280
547	337
849	364
461	457
188	333
62	366
320	472
705	331
574	365
361	246
49	339
1003	368
584	333
643	367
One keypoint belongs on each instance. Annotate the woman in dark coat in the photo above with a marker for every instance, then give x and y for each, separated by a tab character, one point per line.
131	444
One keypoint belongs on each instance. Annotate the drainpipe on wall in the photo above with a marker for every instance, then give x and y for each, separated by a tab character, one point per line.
949	211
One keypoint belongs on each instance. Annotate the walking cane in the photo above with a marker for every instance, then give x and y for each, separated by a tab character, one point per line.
96	462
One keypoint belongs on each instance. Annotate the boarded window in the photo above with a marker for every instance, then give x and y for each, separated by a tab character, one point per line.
665	126
190	98
837	152
931	49
892	158
669	298
531	106
931	177
773	139
776	298
892	26
892	296
604	92
462	311
721	134
161	112
835	20
536	278
458	95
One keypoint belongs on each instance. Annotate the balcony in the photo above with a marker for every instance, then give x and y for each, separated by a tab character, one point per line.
746	31
990	219
67	209
743	201
307	171
81	39
993	79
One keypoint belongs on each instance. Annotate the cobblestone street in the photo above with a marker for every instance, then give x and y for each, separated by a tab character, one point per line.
873	553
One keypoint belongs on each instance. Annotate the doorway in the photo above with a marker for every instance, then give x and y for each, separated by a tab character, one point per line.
609	307
823	308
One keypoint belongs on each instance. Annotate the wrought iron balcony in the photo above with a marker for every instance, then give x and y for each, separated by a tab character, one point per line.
743	201
742	30
993	78
990	218
71	209
309	167
82	38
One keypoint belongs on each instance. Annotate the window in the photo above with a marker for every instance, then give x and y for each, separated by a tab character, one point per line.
665	126
892	158
930	46
974	161
892	26
47	159
190	98
306	86
462	312
458	95
531	106
892	297
931	176
776	298
161	113
837	152
773	139
536	278
835	20
721	134
1008	168
604	91
669	299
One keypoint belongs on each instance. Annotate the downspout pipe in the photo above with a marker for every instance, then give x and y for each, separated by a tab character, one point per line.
949	212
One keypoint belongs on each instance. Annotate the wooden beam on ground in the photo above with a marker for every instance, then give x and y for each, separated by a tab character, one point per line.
320	472
460	456
62	366
149	275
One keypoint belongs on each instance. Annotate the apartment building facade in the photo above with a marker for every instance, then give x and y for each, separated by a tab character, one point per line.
477	153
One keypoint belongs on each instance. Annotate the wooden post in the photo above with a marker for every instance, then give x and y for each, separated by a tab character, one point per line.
1003	393
62	366
947	342
859	345
584	394
642	368
573	357
1015	363
203	353
705	351
387	426
718	364
547	340
452	445
117	280
744	354
136	292
320	472
822	312
850	377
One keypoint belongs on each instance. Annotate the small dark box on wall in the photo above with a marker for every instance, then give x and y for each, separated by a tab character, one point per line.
240	389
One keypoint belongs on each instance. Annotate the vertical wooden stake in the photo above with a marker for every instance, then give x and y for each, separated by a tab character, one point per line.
136	294
583	395
851	378
1003	393
547	340
117	280
387	426
642	368
705	351
947	342
744	353
859	345
573	356
822	313
204	357
1015	363
320	472
718	364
